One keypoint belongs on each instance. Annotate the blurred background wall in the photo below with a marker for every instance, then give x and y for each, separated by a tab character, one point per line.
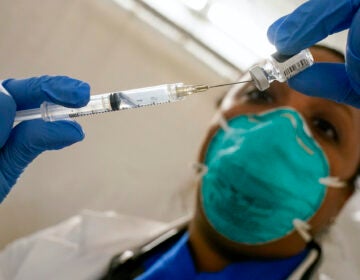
134	162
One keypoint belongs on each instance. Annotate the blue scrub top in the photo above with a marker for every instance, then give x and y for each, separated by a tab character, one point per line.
177	264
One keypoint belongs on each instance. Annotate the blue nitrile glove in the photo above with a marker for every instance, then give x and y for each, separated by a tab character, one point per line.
23	143
310	23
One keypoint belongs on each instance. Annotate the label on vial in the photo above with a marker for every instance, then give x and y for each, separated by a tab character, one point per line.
293	65
294	69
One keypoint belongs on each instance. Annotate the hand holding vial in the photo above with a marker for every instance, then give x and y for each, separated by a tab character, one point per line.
311	22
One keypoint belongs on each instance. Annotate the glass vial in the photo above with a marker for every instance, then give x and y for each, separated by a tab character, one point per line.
280	68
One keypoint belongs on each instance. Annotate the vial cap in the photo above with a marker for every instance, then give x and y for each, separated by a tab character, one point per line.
259	78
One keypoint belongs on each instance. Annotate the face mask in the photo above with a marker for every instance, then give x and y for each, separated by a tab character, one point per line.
263	173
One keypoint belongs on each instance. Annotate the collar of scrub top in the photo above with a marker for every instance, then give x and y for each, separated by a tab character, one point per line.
163	255
177	264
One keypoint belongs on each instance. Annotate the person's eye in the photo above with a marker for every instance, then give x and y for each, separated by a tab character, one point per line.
326	129
259	97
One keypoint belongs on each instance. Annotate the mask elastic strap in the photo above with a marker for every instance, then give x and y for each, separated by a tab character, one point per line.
223	122
199	168
307	267
333	182
303	229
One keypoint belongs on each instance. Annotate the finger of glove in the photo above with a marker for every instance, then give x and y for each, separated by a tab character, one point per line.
28	139
326	80
62	90
353	53
310	23
7	115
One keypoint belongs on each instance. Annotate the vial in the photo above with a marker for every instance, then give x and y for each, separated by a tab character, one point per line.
280	67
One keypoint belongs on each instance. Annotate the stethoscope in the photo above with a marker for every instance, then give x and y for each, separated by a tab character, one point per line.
127	265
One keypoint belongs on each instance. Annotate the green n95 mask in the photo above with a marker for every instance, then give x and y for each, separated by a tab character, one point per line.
263	172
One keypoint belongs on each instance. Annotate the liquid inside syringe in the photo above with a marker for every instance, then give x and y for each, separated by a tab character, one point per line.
109	102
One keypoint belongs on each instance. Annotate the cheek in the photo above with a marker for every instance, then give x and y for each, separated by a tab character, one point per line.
343	162
330	208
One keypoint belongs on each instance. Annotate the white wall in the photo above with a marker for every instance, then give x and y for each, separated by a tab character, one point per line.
134	161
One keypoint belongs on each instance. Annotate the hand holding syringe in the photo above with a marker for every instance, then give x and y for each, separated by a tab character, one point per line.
114	101
278	67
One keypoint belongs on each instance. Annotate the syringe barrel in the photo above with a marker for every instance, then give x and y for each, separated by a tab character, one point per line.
106	102
26	115
102	103
97	104
154	95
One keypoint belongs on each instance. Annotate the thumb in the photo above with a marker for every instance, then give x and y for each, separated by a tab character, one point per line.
7	115
337	86
29	139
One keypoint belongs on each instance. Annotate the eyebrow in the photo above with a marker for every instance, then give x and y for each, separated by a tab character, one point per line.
343	107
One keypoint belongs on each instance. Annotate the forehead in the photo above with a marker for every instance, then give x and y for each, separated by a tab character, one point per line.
320	54
325	55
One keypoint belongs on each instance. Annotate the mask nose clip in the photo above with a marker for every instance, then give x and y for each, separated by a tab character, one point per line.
295	121
223	122
303	229
199	168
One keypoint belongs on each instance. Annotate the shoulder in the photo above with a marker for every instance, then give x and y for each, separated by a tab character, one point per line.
91	234
90	225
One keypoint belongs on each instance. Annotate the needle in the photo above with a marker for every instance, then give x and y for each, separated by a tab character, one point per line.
229	84
200	88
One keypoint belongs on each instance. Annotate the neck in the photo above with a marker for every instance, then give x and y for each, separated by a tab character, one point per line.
206	258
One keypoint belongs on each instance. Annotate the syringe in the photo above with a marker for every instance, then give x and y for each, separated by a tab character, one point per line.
278	67
113	101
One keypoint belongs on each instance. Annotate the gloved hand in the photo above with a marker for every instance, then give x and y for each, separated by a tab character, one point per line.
23	143
311	22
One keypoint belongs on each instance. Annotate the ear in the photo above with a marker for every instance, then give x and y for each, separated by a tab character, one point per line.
334	201
349	190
